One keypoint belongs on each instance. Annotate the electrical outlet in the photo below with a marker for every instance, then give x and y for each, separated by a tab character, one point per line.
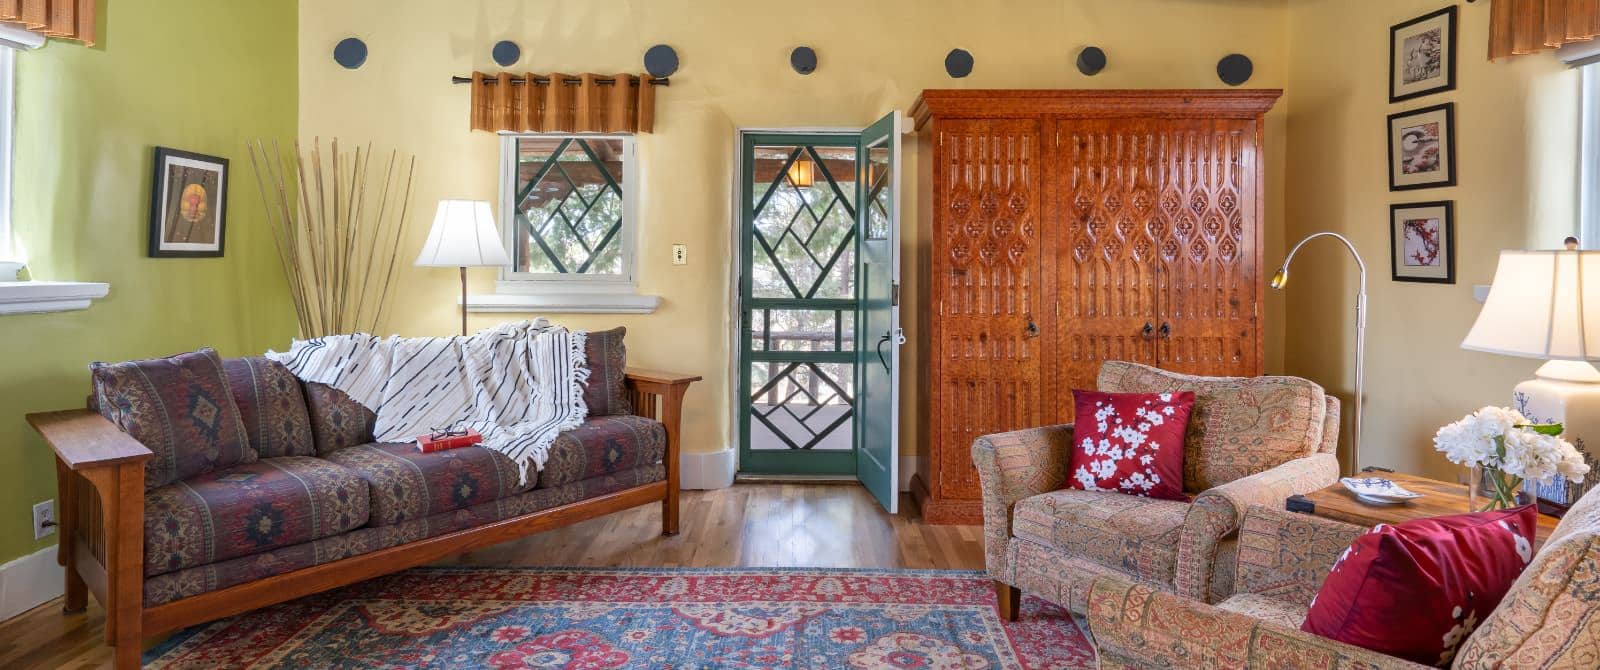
44	519
680	254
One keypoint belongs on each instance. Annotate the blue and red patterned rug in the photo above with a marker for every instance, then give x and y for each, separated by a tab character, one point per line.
595	619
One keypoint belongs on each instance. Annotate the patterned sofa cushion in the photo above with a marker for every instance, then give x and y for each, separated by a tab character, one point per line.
271	406
601	446
406	484
607	358
1134	535
337	421
178	407
1240	425
248	509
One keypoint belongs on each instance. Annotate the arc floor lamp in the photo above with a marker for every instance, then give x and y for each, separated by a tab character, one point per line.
1281	279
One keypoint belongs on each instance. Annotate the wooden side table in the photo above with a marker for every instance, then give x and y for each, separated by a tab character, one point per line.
1442	498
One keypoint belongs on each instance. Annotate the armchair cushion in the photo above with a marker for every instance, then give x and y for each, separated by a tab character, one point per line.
1417	589
1240	425
249	509
1134	535
180	408
1130	443
271	406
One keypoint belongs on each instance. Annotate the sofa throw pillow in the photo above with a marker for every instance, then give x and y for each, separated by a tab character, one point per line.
607	357
1130	443
178	407
271	406
1417	589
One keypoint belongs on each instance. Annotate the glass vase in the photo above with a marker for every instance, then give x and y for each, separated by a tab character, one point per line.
1490	489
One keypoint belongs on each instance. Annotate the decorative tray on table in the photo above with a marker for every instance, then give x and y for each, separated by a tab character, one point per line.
1378	491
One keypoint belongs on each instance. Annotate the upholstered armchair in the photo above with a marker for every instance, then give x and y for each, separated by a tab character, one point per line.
1549	619
1251	440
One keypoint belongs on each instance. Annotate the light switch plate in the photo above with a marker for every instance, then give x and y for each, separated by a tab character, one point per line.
680	254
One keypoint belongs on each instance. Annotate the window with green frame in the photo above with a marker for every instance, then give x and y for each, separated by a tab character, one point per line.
567	207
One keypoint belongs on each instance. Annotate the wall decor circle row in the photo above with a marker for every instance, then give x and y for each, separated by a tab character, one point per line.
661	60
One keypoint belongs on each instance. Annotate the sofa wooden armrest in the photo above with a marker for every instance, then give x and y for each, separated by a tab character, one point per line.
83	439
659	395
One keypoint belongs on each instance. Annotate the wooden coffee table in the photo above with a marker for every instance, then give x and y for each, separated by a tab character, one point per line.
1443	498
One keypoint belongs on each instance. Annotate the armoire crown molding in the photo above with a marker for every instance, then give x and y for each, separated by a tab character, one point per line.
1164	103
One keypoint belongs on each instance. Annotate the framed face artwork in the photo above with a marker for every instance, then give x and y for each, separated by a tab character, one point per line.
1422	148
1422	55
1422	242
188	204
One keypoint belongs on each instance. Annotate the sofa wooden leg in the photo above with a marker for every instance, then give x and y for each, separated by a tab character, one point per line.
1008	599
77	594
669	516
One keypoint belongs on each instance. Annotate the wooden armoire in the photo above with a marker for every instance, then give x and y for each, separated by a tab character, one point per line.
1060	229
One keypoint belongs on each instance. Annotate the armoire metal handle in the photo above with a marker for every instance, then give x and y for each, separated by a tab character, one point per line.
1031	331
1147	330
1166	331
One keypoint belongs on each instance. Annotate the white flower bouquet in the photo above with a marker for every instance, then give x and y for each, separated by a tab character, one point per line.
1510	450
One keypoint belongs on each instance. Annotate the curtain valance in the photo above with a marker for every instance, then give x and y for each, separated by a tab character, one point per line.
65	19
563	103
1529	26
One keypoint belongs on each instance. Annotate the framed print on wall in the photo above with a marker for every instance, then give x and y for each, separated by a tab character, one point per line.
1422	242
1422	148
1422	55
188	204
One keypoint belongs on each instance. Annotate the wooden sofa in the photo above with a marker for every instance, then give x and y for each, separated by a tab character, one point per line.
101	475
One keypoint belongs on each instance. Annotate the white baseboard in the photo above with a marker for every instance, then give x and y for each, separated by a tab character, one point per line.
707	469
30	581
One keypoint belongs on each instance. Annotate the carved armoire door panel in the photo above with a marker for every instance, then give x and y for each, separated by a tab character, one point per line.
987	268
1209	278
1108	185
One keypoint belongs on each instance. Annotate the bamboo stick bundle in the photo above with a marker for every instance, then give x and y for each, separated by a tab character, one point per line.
337	227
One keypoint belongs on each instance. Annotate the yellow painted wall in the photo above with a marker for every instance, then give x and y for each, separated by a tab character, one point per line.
1517	130
191	74
874	55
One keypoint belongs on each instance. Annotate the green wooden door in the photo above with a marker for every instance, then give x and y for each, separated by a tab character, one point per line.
879	335
798	302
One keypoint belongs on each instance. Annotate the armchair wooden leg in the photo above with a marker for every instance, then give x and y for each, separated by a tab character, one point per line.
1008	599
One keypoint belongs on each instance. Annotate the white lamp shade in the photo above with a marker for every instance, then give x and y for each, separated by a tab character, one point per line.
463	235
1543	304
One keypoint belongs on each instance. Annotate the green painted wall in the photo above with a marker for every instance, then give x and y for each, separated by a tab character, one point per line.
199	75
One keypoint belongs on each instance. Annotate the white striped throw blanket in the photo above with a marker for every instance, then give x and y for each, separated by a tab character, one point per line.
519	385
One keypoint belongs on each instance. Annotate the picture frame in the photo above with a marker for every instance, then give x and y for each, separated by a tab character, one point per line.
1422	242
1422	148
1422	55
188	204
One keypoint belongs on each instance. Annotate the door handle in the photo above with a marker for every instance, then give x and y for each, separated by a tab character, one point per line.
1166	331
1147	330
885	339
1031	331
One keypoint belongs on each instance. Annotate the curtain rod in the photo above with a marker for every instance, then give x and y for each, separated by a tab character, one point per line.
571	81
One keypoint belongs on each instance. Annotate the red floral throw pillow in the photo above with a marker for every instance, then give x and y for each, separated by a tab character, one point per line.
1417	589
1130	443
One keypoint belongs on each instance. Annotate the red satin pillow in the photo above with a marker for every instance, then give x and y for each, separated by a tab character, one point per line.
1417	589
1130	443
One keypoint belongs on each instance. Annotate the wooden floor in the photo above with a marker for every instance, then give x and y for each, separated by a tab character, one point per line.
748	525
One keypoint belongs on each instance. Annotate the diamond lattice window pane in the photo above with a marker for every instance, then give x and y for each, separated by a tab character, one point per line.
804	225
569	205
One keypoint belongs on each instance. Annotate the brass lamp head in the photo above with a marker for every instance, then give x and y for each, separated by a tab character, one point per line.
1279	278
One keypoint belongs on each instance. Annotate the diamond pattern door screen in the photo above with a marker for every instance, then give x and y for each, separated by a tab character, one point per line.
798	304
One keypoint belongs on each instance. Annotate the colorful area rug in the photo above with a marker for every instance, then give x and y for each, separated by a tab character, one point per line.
595	619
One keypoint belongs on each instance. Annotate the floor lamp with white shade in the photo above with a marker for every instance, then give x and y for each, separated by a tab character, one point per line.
1281	279
463	236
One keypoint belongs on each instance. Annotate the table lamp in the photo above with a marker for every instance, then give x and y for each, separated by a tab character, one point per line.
1546	305
463	236
1281	279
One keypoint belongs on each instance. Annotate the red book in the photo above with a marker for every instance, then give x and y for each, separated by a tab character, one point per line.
428	444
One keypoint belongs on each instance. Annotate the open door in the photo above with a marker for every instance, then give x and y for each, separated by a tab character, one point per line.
878	335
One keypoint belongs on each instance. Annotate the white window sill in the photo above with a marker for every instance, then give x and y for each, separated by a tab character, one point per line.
564	303
33	297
